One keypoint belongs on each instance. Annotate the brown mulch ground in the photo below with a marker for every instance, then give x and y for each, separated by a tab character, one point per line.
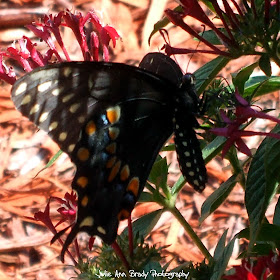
25	252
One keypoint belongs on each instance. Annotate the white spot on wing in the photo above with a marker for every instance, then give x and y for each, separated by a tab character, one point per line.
67	71
34	109
53	126
187	154
87	222
55	92
73	108
101	230
67	97
71	148
26	99
44	86
21	88
81	119
62	136
43	117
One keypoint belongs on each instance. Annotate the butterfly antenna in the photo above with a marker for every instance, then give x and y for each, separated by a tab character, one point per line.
164	33
195	50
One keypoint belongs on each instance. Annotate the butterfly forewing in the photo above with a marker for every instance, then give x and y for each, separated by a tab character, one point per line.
112	119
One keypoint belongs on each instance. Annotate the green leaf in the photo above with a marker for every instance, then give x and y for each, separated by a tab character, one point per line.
213	148
268	233
261	85
217	198
178	185
152	266
168	148
146	197
264	64
53	159
145	224
162	23
276	218
205	74
212	37
240	79
221	264
220	246
262	183
158	175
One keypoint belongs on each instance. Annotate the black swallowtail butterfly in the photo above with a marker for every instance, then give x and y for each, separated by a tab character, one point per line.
112	119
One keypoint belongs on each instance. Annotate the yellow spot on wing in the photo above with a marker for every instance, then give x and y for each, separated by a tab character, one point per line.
87	222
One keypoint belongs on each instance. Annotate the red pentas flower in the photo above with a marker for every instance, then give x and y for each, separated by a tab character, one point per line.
243	28
260	269
234	132
68	212
28	57
25	53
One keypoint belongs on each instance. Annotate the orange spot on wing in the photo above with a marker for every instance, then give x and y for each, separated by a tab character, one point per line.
90	128
84	201
125	173
111	148
83	154
113	114
82	181
133	186
111	162
123	214
114	171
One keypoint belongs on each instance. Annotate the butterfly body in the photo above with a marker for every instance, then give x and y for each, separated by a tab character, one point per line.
112	119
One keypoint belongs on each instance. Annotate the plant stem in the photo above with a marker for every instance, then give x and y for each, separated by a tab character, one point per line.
191	233
235	164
